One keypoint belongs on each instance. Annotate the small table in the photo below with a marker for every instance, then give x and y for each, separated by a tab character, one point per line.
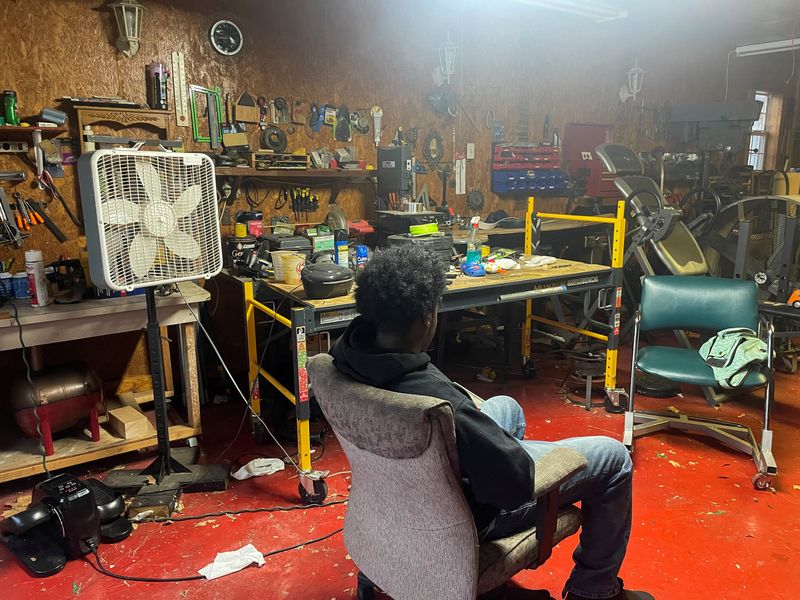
19	456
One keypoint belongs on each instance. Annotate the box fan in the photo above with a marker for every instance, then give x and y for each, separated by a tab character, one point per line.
151	220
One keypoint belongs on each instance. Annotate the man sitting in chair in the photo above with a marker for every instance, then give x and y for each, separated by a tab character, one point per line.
398	295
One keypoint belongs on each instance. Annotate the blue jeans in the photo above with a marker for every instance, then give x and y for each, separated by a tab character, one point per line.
603	489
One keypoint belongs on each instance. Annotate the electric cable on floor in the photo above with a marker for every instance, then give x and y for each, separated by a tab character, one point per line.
242	511
252	384
101	568
30	382
235	385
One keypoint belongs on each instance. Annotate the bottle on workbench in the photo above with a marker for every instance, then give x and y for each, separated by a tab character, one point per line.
37	282
341	255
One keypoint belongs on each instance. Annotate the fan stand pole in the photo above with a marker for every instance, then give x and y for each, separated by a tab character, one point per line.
164	464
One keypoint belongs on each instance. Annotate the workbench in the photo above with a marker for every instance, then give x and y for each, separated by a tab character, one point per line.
19	455
307	317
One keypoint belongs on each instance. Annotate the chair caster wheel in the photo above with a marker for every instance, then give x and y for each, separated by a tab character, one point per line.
528	369
366	589
762	481
319	495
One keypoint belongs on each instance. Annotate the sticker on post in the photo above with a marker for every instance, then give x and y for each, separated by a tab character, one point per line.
338	316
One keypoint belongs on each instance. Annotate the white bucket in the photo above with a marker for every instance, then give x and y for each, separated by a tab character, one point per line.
277	262
292	265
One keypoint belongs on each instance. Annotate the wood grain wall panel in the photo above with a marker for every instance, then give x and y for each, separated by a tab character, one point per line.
363	53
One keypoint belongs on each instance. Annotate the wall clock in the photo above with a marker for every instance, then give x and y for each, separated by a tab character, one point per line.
226	37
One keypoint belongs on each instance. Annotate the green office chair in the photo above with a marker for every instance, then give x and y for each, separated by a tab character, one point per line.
706	305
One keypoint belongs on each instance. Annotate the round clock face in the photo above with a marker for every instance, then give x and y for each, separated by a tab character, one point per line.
226	37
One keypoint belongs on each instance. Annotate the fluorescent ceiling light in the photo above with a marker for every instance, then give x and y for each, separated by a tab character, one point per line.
768	47
596	11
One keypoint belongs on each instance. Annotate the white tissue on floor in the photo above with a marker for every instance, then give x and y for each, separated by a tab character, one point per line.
230	562
259	466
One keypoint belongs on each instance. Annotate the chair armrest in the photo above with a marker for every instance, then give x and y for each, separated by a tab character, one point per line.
553	469
556	467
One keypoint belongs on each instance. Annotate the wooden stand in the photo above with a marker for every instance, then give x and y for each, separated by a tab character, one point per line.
124	118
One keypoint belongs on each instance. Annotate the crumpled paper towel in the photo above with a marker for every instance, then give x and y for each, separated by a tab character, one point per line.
539	260
230	562
258	467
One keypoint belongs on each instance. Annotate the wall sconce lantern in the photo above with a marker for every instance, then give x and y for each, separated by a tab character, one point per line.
448	54
635	79
128	14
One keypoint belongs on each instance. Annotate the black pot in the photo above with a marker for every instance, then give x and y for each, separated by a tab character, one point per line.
326	280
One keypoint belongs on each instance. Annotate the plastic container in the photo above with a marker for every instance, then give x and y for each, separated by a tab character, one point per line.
341	253
20	282
87	145
240	230
292	265
6	285
37	282
362	256
277	263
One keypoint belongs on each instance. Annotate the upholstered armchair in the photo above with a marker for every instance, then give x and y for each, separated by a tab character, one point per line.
408	527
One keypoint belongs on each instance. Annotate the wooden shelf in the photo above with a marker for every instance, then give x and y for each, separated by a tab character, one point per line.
20	457
296	174
12	133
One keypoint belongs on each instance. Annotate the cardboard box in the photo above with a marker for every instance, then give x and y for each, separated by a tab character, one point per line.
128	423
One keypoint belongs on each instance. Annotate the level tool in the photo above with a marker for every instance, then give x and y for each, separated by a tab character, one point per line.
179	89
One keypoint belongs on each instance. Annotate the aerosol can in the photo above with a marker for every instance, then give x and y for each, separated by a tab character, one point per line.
157	77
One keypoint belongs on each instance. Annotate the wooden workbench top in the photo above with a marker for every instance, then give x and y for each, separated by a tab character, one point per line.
561	268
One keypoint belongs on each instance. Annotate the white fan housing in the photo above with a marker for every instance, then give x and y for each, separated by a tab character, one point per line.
150	217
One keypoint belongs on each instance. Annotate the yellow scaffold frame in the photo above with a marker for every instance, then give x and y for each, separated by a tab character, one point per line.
617	253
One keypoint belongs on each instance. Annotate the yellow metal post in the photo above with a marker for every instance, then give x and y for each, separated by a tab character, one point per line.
526	329
304	444
252	355
617	255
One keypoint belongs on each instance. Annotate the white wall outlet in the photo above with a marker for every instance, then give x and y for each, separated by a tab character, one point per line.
470	151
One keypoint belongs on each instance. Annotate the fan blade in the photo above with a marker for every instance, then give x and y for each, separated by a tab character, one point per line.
120	212
150	180
182	244
142	253
188	201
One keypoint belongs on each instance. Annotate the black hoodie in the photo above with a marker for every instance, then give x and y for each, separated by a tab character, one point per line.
497	472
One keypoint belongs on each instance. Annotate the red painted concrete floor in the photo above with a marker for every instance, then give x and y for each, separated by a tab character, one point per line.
700	530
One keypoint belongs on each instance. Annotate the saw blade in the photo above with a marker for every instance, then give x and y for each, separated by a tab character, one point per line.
179	89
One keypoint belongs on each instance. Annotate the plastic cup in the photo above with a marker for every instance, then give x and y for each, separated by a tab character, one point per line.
292	265
277	263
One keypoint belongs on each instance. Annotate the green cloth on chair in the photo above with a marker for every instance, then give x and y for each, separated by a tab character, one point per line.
732	354
684	365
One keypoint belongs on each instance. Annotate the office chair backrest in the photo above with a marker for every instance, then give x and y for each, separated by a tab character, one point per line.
698	303
408	525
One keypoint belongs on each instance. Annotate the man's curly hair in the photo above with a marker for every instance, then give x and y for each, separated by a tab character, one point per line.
400	285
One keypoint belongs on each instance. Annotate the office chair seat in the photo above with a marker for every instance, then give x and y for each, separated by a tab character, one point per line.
686	366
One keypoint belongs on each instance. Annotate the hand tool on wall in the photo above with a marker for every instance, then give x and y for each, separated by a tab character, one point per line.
377	114
48	222
13	175
9	234
213	106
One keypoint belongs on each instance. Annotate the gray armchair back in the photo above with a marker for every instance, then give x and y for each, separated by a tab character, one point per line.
408	527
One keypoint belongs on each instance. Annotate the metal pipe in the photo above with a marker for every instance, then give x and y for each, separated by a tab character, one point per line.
573	329
268	311
585	219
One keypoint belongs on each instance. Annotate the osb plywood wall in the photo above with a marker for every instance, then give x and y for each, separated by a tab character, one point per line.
513	61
